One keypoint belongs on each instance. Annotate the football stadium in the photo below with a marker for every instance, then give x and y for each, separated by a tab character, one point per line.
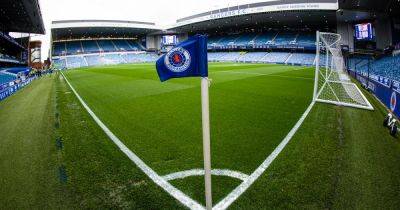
283	104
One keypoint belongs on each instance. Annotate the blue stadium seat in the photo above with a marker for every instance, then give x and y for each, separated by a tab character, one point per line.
6	78
90	46
106	45
301	59
74	47
276	57
59	48
252	57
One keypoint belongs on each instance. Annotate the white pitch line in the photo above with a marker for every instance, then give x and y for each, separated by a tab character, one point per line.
200	172
174	192
239	190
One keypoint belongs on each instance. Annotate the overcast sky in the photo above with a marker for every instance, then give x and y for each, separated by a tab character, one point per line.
161	12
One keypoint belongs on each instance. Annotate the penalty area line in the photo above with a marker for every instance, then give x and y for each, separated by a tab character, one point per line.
173	191
239	190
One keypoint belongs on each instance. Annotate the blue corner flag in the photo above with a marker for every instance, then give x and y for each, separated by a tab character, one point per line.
187	59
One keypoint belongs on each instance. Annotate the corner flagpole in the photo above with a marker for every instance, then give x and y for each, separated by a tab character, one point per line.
206	140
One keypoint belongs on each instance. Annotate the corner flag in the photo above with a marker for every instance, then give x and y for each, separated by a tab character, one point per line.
189	59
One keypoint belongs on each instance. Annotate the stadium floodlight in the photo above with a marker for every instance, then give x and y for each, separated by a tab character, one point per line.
332	83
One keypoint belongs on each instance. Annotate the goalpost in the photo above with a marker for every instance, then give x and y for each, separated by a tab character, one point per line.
332	83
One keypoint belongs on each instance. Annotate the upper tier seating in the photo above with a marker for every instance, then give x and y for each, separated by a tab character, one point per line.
306	39
269	39
264	38
74	47
59	48
284	38
90	46
122	45
244	39
107	46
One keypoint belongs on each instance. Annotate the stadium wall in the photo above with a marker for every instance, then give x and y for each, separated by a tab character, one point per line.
347	32
387	91
383	32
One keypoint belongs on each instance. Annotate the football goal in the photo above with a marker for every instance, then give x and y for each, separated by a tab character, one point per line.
332	83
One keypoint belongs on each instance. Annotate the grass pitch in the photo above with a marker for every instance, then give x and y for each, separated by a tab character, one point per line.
340	158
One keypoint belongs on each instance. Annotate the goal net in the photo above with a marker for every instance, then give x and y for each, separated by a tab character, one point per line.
332	83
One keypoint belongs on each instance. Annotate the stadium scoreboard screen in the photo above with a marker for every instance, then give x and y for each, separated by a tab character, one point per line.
169	40
364	31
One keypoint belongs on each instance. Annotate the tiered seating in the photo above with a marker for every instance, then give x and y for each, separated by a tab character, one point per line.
263	38
388	67
301	59
17	70
74	47
90	47
252	57
75	62
122	45
9	59
284	38
94	60
106	46
106	59
113	59
134	45
306	39
275	57
216	56
59	48
5	78
244	39
229	40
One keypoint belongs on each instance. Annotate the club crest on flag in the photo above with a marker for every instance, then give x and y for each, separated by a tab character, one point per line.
177	60
393	101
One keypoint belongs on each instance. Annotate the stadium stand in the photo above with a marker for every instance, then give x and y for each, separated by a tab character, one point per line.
94	46
276	57
305	59
263	40
90	46
252	57
388	66
301	59
6	78
59	48
77	61
74	47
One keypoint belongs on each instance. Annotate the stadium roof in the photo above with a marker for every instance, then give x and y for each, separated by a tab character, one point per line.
288	20
259	8
21	16
100	28
390	7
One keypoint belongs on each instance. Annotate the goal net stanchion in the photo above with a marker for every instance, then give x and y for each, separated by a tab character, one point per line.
332	83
